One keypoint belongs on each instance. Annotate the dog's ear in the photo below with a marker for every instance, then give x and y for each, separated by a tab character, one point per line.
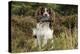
52	16
51	12
38	13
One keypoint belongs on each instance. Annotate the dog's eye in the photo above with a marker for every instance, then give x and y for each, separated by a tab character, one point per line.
49	12
42	11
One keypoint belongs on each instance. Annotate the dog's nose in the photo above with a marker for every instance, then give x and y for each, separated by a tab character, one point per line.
45	14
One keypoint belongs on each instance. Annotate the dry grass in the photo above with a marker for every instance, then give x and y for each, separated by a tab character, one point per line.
23	41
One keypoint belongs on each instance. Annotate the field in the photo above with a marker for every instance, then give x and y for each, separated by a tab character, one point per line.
65	28
23	41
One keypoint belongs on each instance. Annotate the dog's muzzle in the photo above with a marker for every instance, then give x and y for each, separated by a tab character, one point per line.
44	18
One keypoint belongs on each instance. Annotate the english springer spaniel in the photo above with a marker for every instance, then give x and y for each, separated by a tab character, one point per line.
43	31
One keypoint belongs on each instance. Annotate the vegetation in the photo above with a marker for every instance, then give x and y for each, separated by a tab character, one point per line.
23	20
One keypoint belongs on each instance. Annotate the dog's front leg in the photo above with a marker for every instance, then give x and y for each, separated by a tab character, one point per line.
39	42
44	42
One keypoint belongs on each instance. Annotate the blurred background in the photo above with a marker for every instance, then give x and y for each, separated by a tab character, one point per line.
23	19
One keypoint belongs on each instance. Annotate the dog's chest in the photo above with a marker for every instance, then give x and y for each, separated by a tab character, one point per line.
43	30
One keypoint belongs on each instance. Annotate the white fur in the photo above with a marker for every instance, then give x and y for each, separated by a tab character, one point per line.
42	31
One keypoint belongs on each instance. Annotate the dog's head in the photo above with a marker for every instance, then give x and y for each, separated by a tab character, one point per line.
44	12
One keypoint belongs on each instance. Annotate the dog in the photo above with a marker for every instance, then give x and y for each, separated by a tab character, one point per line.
43	31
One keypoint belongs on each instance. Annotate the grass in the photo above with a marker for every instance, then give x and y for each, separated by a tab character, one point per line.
23	41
